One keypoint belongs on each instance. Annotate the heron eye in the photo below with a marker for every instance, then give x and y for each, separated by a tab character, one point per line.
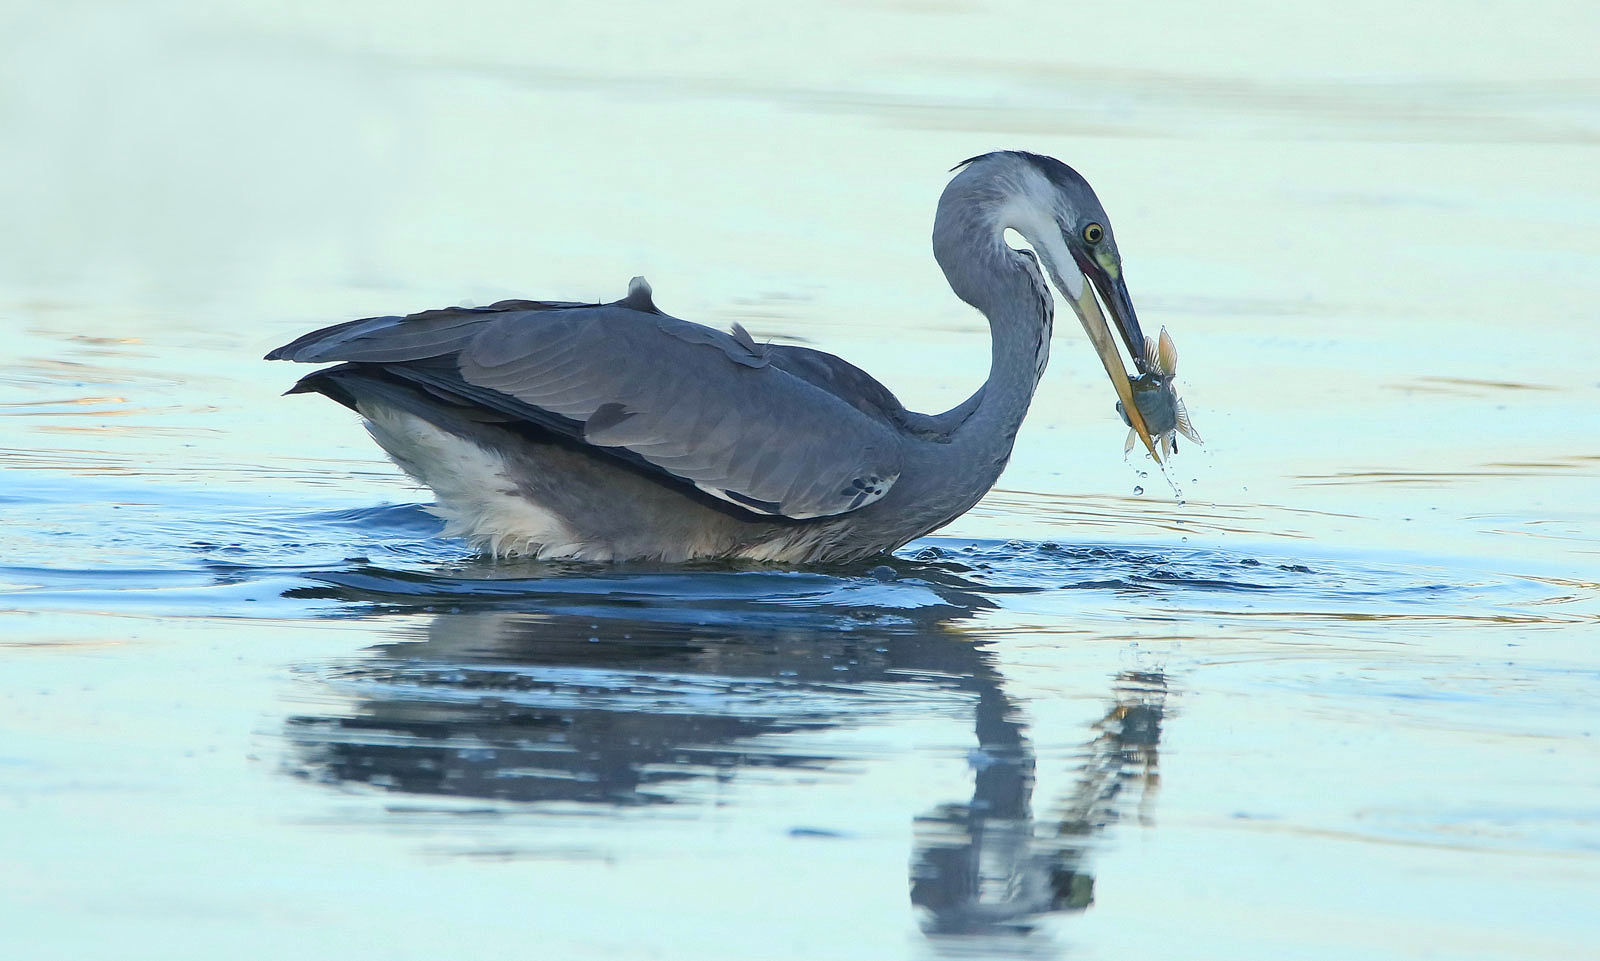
1093	233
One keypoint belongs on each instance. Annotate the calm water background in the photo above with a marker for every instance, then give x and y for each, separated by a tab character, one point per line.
1336	699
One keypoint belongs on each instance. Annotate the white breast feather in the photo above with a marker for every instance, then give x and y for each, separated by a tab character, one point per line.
476	497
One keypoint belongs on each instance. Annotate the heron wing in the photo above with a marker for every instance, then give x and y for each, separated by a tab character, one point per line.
377	340
705	407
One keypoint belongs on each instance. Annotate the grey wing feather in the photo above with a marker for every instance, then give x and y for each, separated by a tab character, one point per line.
838	377
377	340
699	404
707	407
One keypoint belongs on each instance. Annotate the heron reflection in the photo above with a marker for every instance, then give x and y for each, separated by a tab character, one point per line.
990	863
582	697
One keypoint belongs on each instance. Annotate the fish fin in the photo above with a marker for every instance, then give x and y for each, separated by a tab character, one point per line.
1166	359
1166	445
1185	426
1152	355
1127	448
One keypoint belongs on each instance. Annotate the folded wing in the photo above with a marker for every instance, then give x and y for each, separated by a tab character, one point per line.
697	405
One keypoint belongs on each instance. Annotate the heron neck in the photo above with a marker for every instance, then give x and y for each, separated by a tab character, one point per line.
968	446
983	428
1007	287
1019	333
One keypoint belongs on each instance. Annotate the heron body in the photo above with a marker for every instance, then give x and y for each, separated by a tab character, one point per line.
615	432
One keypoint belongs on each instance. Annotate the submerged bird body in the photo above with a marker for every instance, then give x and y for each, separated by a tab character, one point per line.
615	432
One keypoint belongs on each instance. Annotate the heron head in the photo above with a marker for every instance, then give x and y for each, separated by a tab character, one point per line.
1055	210
1057	213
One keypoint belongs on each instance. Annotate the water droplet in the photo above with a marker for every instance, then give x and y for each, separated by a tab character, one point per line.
1137	491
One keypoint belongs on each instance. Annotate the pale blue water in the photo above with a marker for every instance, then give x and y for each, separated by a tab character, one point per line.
999	743
1334	699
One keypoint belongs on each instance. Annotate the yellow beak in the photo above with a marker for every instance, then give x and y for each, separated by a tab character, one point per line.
1094	324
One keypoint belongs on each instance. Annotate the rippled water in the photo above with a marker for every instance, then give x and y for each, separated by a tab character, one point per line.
1325	690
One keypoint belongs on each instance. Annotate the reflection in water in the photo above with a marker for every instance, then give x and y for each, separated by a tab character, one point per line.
986	864
536	707
574	691
618	686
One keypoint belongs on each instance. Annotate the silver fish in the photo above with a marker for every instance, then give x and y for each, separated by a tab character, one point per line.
1159	405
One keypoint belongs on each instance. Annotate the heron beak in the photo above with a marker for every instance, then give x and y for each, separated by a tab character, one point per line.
1087	308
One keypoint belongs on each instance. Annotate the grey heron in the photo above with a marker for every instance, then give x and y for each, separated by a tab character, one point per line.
616	432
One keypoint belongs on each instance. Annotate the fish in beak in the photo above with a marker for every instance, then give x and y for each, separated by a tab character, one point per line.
1104	274
1157	403
1148	403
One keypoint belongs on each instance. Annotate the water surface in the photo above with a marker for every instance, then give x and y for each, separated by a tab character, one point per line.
1324	690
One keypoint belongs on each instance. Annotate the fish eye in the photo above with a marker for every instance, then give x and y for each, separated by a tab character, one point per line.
1093	234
